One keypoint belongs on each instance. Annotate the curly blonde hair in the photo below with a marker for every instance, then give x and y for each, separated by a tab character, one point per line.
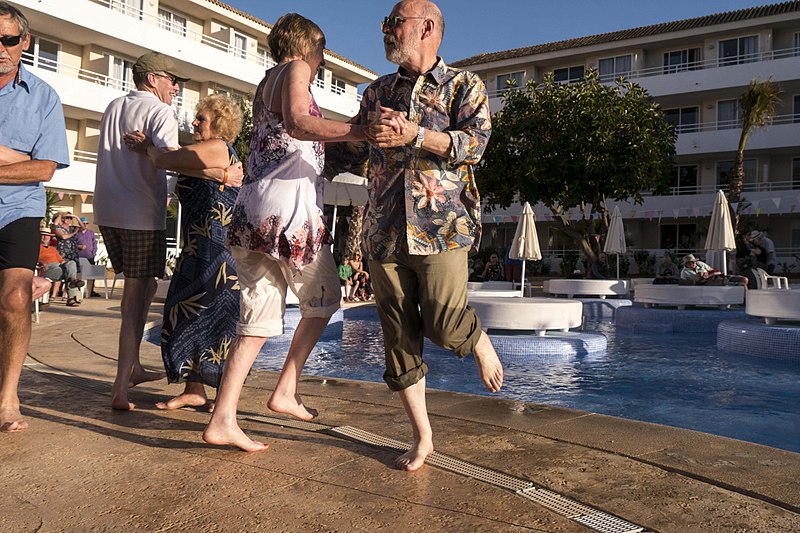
227	120
294	35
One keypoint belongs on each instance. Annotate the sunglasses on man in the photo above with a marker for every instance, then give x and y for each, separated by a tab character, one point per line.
390	23
10	40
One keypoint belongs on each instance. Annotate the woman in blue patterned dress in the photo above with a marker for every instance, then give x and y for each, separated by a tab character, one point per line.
277	237
202	306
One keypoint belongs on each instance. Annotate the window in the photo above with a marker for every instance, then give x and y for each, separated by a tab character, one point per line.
685	119
685	179
727	114
42	54
240	45
170	21
613	67
678	236
320	79
741	50
796	110
337	86
121	74
797	44
725	170
132	8
681	60
264	59
796	173
518	78
568	75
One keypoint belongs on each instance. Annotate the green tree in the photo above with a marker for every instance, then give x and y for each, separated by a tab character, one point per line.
577	145
242	142
756	107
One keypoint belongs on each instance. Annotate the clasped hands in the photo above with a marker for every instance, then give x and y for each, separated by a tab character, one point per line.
389	128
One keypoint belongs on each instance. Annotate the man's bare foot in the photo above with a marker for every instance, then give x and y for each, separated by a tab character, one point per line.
143	376
414	458
489	366
11	421
231	435
183	400
291	405
119	401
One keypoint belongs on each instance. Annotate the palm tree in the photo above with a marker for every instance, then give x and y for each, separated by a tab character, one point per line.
756	108
353	243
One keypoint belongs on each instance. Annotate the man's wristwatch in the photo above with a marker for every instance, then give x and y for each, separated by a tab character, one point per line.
420	137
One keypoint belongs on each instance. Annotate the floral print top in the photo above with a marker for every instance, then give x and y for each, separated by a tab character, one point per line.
431	203
279	207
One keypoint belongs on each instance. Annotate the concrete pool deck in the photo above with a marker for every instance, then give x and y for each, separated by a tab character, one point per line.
81	466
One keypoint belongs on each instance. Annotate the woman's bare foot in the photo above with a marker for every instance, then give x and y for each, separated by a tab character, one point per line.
291	405
489	366
231	435
11	421
193	395
414	458
143	376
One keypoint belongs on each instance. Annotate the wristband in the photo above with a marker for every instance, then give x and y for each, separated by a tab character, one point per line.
224	180
420	137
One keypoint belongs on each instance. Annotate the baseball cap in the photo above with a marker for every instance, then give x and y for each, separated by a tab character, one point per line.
156	62
84	219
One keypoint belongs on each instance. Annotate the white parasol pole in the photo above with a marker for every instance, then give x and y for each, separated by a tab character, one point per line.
617	266
522	281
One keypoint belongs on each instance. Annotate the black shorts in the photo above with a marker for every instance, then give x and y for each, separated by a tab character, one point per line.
19	244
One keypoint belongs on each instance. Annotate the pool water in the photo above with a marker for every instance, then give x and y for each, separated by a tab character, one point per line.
677	380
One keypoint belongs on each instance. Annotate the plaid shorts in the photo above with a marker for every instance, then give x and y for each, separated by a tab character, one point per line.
136	253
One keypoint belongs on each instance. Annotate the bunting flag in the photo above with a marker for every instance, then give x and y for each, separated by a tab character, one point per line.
597	238
791	208
60	195
514	218
695	211
649	215
676	212
168	199
777	202
754	204
734	205
632	214
84	197
758	211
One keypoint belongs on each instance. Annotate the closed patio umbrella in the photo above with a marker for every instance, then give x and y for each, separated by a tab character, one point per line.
525	245
720	230
615	240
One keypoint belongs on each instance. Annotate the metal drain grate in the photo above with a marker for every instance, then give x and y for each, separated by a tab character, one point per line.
287	422
583	514
477	472
576	511
370	438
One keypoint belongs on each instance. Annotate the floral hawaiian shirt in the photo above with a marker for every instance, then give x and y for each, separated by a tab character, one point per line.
430	202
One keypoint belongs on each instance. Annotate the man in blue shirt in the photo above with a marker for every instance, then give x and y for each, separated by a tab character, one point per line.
33	144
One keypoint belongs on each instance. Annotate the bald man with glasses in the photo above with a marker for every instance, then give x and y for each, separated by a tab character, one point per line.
33	144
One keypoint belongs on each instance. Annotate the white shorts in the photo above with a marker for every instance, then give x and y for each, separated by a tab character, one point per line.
264	279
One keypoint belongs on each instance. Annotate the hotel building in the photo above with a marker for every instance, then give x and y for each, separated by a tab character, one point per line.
696	69
85	50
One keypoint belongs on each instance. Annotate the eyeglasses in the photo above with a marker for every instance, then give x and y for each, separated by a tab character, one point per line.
10	40
170	77
393	22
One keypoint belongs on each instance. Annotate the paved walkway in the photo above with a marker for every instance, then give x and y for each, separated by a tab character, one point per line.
81	466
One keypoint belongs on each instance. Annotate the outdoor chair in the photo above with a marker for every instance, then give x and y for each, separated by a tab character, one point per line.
90	271
763	280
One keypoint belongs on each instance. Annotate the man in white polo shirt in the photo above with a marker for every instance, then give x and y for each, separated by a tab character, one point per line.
130	203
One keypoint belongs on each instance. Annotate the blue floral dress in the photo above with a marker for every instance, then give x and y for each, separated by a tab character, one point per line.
279	209
202	307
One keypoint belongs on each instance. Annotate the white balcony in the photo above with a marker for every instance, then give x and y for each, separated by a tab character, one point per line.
780	65
716	137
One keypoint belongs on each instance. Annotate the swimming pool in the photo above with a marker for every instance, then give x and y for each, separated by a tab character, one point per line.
677	380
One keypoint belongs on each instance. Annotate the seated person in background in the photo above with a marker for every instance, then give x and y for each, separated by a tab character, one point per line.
55	268
346	278
362	289
493	271
512	267
696	272
599	268
667	272
763	249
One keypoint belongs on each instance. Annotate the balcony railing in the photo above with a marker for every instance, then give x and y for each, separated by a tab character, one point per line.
792	118
717	62
154	20
84	157
765	186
